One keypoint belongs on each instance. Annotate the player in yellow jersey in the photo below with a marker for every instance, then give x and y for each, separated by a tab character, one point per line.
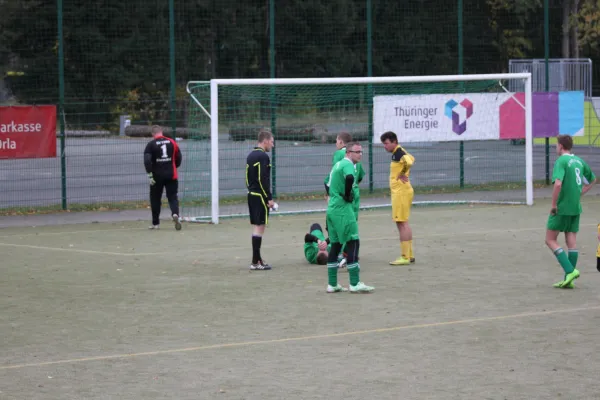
402	194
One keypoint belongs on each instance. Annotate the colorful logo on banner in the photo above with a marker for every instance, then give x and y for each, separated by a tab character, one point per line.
553	113
452	116
458	113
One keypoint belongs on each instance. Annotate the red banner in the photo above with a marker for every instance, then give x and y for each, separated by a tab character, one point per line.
27	131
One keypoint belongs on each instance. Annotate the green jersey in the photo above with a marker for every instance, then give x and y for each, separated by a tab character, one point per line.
312	248
337	185
360	172
573	172
358	176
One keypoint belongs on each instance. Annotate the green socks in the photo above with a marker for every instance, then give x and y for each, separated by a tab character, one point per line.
332	271
563	260
573	256
354	273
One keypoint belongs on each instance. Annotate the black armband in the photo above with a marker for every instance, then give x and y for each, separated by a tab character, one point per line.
349	184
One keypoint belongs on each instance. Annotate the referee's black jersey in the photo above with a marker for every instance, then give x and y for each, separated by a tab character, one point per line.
258	173
162	157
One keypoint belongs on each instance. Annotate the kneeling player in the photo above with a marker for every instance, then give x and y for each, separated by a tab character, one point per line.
316	247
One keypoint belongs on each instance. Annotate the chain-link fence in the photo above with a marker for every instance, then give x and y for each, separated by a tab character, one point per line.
100	61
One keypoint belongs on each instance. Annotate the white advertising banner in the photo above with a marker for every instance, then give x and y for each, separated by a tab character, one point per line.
438	117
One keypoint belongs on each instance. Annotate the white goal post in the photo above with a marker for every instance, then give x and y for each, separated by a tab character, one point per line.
213	113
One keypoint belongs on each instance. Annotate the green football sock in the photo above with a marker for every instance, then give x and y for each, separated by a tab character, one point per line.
332	271
354	273
563	260
573	256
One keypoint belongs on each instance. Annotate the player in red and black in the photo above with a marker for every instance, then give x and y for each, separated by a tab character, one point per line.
162	157
260	200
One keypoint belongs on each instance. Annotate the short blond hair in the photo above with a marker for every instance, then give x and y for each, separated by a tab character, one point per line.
345	137
156	129
264	134
351	145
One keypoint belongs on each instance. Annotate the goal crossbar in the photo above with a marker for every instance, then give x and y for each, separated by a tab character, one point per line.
361	80
214	112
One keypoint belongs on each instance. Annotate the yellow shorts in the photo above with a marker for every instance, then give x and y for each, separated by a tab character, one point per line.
401	205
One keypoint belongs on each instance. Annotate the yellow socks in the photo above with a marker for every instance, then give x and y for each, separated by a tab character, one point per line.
405	247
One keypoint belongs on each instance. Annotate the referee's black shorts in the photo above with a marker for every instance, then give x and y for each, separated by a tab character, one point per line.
258	209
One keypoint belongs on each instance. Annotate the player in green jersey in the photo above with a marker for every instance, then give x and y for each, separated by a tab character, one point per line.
341	141
572	178
342	224
316	247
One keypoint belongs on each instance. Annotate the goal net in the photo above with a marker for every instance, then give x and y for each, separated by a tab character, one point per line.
471	139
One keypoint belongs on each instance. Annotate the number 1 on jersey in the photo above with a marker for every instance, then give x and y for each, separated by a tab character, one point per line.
164	151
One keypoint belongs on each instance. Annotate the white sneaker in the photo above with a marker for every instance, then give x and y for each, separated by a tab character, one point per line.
336	289
176	222
361	288
260	266
154	227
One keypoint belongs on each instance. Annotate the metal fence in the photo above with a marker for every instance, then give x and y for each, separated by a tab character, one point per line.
555	74
100	61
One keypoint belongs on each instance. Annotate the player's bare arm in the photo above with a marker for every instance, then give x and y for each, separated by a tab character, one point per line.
402	177
587	187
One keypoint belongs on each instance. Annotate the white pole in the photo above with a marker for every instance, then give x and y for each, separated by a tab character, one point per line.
214	150
376	79
214	84
528	141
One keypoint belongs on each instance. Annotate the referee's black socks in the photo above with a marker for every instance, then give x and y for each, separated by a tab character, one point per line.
256	242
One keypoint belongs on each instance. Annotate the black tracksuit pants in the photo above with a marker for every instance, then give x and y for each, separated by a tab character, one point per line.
156	191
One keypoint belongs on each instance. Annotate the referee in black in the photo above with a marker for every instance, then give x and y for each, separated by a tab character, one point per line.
162	157
260	200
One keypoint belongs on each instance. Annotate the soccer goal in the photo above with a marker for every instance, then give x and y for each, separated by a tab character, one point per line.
465	132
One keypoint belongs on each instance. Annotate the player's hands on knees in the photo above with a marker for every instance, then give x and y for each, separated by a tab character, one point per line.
151	178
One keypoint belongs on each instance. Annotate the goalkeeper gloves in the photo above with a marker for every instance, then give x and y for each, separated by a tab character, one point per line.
151	177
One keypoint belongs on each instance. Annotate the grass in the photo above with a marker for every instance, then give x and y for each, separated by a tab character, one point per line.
233	200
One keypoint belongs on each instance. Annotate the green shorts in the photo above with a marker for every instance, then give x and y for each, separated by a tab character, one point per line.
342	227
563	223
